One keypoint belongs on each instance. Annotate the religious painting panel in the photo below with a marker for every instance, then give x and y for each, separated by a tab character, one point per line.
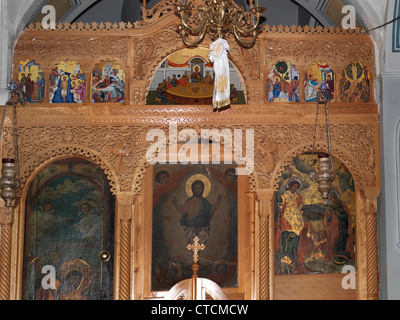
67	83
283	83
188	202
311	235
69	238
355	83
108	83
187	77
319	78
31	81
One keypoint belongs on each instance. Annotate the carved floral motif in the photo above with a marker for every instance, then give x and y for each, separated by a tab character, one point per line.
114	136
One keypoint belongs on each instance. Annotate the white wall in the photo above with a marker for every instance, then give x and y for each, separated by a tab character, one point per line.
388	207
13	17
4	53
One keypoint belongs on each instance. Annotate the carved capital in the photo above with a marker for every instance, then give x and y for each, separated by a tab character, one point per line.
371	196
124	203
266	203
6	216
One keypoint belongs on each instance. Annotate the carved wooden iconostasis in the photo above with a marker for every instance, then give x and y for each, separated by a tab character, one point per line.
93	99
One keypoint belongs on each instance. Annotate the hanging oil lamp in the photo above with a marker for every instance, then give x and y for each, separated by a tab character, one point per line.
325	176
8	181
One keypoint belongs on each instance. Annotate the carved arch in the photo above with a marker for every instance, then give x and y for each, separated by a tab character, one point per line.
339	153
143	164
159	54
51	155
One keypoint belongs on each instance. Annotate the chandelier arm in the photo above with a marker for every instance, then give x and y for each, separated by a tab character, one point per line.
192	29
192	43
218	18
242	40
244	30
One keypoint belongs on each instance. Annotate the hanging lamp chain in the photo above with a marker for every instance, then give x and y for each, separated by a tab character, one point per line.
328	130
15	141
315	129
328	133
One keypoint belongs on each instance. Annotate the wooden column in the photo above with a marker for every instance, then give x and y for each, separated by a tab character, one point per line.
123	279
265	209
6	223
371	196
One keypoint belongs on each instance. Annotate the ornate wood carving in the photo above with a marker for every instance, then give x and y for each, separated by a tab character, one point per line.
114	135
371	197
115	148
265	211
6	223
124	220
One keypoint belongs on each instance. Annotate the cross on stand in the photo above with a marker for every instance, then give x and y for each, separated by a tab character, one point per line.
196	247
193	287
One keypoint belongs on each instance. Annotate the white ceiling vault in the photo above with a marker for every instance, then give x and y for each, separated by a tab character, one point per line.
286	12
66	10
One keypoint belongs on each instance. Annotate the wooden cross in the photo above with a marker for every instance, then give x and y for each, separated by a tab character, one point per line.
196	247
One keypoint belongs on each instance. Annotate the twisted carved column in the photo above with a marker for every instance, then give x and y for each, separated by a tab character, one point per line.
250	202
371	196
6	223
265	209
124	217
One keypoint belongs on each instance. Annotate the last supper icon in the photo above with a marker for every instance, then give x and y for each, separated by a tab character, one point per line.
187	77
196	201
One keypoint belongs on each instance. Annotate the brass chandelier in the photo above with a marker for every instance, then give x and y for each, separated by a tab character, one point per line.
219	17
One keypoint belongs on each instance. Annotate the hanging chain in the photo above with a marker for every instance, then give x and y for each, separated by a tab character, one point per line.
315	129
15	140
2	122
328	130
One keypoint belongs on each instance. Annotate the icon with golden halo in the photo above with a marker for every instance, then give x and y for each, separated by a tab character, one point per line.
198	177
197	212
76	276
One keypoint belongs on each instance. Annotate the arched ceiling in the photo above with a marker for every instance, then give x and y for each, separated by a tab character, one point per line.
66	11
286	12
